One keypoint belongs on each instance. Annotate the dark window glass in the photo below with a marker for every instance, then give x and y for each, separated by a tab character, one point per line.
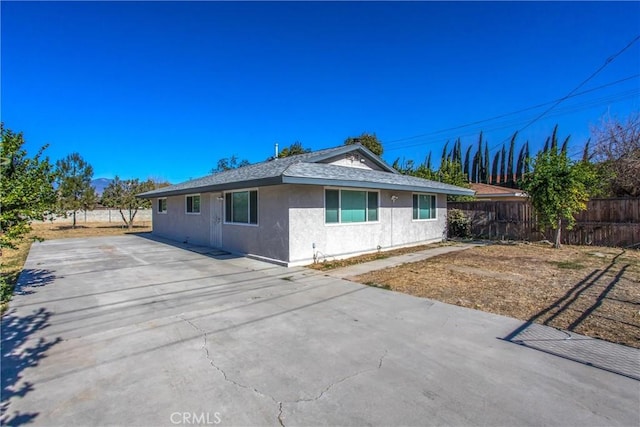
332	205
372	206
253	207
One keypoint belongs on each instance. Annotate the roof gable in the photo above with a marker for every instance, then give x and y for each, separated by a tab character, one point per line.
346	149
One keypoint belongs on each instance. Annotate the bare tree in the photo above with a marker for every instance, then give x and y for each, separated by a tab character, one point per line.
616	147
123	195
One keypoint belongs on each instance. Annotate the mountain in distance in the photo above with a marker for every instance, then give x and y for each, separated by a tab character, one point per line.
100	184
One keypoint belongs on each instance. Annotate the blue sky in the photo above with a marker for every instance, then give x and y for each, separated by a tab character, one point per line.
164	90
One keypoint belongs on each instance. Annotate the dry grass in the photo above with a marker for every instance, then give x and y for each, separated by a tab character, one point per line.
593	291
13	259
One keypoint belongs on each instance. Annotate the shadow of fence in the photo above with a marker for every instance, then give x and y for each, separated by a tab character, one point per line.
538	333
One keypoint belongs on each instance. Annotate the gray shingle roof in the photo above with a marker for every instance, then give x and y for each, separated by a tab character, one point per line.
343	176
304	169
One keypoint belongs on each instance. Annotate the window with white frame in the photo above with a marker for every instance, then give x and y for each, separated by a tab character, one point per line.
162	205
424	206
241	207
349	206
193	204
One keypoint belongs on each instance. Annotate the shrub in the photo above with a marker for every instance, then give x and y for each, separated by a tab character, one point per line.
458	224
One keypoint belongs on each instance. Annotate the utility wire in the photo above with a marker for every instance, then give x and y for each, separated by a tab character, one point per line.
509	114
433	139
608	61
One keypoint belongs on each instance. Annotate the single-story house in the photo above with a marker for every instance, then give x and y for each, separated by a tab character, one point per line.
487	193
331	203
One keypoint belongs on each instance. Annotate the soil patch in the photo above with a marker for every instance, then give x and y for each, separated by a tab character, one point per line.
594	291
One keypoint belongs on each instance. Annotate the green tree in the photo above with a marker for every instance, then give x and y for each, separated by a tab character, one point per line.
451	172
293	149
558	189
26	188
228	163
122	195
368	140
73	176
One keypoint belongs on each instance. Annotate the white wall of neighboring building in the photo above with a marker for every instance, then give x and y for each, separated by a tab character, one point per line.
102	215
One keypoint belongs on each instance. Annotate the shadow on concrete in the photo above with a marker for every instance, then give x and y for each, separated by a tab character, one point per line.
589	351
30	279
202	250
19	352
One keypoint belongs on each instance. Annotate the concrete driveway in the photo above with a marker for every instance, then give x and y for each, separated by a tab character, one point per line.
131	331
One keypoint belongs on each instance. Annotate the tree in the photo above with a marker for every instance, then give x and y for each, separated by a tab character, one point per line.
368	140
122	195
293	149
26	188
228	163
510	179
451	172
558	189
617	149
73	176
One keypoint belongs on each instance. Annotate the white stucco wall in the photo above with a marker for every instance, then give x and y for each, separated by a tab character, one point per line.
180	226
291	225
395	227
270	238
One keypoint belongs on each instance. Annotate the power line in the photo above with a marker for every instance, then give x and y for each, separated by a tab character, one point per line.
433	139
508	114
608	61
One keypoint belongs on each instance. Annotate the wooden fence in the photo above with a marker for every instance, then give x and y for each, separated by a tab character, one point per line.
605	222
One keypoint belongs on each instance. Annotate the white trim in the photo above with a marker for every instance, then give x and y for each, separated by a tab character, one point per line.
340	190
166	206
242	190
199	204
434	208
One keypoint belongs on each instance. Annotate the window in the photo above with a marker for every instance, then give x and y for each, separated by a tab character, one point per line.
241	207
162	205
347	206
424	206
193	204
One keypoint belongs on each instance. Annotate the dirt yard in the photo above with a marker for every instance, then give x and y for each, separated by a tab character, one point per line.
593	291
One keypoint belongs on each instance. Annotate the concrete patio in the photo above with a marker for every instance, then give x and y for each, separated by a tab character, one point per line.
132	331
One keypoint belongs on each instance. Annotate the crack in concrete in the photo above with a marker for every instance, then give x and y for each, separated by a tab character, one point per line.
261	394
224	374
341	380
280	414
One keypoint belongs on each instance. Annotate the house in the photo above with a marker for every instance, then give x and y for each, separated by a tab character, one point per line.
488	193
337	202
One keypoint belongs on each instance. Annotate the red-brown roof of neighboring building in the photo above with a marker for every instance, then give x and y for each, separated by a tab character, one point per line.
495	190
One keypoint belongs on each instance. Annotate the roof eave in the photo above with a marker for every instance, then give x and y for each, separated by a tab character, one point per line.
374	185
262	182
